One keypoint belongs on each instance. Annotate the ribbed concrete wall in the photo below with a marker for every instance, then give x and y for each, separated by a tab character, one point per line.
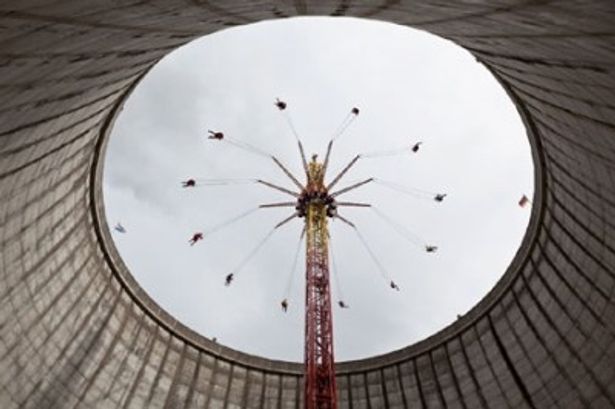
77	332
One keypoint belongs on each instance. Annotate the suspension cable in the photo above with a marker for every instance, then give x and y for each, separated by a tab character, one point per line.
401	230
291	125
230	221
389	152
293	129
293	269
338	287
223	182
250	255
247	147
417	193
348	119
255	250
253	149
372	255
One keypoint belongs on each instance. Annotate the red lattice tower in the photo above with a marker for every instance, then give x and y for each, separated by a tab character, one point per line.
320	391
316	202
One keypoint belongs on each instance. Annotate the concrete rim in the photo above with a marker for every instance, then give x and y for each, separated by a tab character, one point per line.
167	321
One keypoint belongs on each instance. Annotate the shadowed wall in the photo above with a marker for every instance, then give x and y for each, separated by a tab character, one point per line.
78	332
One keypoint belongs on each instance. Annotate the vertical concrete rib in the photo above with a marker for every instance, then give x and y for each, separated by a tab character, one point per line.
419	386
510	366
454	377
560	369
65	69
101	365
144	363
170	401
195	376
401	387
468	365
436	380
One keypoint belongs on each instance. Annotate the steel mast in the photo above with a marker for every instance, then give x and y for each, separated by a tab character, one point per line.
315	202
316	205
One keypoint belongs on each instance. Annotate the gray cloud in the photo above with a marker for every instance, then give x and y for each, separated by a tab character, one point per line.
410	86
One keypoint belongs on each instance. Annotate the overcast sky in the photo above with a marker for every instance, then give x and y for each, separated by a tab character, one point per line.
410	86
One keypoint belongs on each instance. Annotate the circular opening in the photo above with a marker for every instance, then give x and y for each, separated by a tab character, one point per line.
410	87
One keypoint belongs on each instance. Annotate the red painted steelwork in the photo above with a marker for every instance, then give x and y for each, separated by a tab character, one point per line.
320	389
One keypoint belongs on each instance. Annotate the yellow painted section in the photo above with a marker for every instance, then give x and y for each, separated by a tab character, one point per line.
316	217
